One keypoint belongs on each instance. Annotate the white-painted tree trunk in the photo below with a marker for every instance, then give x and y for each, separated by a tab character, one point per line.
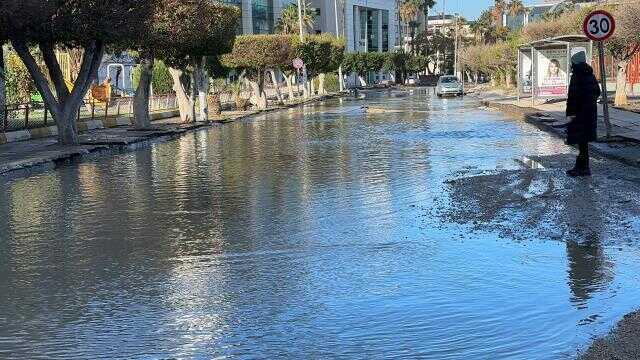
202	84
321	80
363	82
621	98
276	85
289	80
258	96
184	96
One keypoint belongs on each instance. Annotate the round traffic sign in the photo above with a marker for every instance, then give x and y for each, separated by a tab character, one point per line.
298	63
599	25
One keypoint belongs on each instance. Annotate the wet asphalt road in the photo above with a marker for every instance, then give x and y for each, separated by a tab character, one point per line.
394	226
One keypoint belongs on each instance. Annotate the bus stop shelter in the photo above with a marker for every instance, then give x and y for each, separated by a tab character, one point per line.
544	66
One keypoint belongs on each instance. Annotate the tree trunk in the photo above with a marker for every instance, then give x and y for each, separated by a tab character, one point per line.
202	86
194	94
289	80
312	86
258	97
274	79
363	82
186	104
321	79
3	89
507	79
64	109
621	84
141	118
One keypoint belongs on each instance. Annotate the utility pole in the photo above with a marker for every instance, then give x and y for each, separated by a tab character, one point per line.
443	31
305	90
340	80
455	46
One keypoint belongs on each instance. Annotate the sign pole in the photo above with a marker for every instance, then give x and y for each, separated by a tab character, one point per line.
599	25
605	96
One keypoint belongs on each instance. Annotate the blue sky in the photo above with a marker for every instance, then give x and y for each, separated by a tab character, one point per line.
470	9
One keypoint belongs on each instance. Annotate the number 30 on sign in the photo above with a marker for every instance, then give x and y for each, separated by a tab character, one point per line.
599	25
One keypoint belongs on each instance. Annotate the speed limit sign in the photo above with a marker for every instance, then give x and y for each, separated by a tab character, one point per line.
599	25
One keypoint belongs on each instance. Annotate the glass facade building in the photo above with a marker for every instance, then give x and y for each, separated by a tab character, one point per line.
262	16
371	29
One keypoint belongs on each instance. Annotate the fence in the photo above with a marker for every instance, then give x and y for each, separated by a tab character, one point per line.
35	114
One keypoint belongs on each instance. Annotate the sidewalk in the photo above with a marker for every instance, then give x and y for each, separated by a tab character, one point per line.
625	124
21	156
624	145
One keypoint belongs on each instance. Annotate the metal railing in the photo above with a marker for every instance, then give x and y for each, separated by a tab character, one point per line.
35	115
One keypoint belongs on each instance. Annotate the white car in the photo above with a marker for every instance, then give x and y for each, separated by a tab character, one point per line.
449	85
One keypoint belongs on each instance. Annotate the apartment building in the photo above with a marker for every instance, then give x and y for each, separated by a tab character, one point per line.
367	25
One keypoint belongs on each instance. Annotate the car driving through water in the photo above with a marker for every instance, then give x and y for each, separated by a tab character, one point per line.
449	85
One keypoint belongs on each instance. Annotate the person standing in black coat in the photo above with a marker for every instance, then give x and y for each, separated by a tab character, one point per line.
582	111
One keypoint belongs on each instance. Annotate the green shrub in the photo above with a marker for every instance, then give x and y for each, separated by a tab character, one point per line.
331	83
161	81
19	86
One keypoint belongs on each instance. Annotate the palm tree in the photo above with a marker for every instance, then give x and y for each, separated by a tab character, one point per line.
516	7
483	26
409	11
288	22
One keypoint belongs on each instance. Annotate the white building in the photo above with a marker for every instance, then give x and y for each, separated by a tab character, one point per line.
367	25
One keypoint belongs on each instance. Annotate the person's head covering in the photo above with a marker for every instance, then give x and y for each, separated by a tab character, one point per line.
578	57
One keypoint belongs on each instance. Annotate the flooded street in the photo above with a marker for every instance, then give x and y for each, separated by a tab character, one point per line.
396	226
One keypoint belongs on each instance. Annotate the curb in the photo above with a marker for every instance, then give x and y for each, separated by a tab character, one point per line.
109	122
534	117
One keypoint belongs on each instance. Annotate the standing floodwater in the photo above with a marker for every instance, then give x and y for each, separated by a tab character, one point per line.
396	226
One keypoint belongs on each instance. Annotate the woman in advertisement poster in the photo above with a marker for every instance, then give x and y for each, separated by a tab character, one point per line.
582	111
554	77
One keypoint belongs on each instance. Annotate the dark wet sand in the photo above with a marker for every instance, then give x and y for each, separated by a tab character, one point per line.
622	343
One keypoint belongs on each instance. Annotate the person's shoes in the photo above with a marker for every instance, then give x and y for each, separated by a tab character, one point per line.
579	172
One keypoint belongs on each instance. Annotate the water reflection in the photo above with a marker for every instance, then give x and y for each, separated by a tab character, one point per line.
589	269
308	234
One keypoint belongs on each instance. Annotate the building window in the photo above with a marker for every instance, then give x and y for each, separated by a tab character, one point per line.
262	11
372	30
385	30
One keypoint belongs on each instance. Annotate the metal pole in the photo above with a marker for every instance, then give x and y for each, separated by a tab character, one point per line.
444	53
518	76
534	76
304	68
455	47
335	4
605	96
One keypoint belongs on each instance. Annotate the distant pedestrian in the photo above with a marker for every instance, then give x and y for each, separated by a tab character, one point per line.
582	111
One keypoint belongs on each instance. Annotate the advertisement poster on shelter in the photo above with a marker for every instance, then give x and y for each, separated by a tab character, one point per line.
552	73
526	67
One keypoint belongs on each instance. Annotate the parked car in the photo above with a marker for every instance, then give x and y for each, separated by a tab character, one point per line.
449	85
